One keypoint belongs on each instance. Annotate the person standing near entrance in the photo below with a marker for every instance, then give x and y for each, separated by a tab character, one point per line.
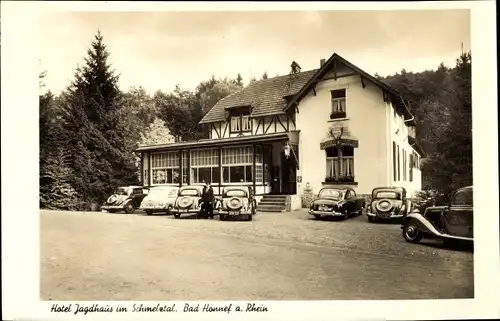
208	200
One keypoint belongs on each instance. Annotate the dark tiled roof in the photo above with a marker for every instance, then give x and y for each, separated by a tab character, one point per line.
266	97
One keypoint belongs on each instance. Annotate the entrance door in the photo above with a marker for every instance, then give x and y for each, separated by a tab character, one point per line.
275	180
289	175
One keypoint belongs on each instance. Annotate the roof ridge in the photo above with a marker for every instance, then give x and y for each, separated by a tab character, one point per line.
281	76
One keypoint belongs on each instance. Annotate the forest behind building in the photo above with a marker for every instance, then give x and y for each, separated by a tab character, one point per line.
88	132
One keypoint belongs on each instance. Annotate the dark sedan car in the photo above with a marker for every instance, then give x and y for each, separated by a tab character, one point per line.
388	203
125	198
337	201
452	222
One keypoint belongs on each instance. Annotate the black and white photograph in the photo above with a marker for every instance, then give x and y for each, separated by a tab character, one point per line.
195	160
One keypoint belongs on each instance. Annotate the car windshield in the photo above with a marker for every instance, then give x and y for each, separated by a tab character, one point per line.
330	193
235	193
387	194
121	191
189	192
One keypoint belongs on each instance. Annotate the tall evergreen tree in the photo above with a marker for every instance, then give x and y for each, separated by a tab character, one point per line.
100	156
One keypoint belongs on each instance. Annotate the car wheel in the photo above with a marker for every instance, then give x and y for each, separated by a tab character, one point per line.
222	217
316	216
149	212
249	217
129	208
411	233
177	215
346	214
371	219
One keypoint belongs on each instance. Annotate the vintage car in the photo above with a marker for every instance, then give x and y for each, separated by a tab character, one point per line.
237	201
188	201
160	199
337	201
125	198
388	203
452	222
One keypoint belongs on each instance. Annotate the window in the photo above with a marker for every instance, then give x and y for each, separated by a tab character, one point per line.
338	104
189	192
463	197
165	168
394	162
399	163
390	195
412	160
340	164
205	166
241	122
330	193
121	191
237	165
350	194
137	191
235	193
404	165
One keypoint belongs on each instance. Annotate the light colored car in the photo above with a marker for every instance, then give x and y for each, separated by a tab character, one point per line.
160	199
237	201
188	201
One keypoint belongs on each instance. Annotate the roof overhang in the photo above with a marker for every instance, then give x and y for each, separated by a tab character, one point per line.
413	143
395	96
352	142
237	107
292	137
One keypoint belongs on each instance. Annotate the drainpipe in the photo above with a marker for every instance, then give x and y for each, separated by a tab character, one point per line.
411	119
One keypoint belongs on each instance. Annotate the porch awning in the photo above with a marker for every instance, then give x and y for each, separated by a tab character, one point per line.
292	137
342	131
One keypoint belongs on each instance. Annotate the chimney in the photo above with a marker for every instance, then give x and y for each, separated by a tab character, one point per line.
322	62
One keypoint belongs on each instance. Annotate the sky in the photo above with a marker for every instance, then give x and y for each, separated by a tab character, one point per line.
157	50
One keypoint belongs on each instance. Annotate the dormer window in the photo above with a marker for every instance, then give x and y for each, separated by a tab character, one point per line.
241	122
338	104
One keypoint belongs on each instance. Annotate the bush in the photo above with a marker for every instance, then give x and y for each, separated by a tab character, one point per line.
426	198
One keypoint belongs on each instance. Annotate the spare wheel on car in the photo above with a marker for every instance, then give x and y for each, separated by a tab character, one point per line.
234	203
185	202
111	199
384	205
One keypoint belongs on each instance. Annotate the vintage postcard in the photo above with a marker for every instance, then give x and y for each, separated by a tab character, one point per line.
287	161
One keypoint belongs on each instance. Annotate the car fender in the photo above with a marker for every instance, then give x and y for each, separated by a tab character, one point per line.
423	224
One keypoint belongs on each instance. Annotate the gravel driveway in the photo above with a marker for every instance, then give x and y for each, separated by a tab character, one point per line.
100	256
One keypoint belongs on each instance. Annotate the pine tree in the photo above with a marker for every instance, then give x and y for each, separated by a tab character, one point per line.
100	157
